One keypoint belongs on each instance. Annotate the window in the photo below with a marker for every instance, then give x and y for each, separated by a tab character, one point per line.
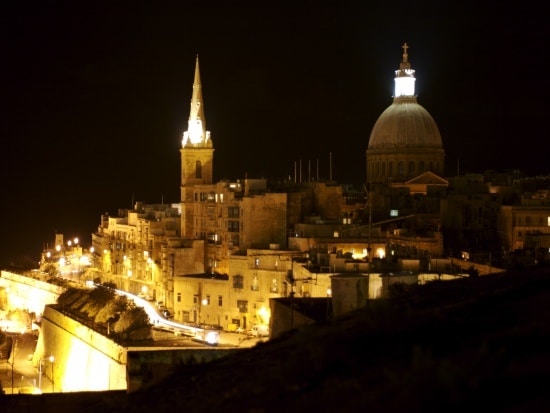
207	299
255	286
179	297
243	306
233	226
233	212
234	240
220	300
238	281
198	170
274	288
195	299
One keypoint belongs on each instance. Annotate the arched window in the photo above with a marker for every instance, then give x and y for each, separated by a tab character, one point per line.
411	167
401	168
198	170
421	166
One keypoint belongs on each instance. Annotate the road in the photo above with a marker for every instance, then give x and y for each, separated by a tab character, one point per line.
17	374
212	337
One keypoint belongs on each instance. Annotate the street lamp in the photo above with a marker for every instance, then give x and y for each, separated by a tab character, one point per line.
14	347
52	359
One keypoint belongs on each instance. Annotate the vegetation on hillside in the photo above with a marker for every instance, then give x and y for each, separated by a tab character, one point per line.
104	310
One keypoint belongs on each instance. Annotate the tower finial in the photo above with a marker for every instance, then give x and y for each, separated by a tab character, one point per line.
405	55
404	77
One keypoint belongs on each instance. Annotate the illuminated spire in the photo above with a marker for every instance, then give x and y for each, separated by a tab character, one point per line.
196	133
404	77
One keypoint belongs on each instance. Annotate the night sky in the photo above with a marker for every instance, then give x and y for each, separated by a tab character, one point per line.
95	96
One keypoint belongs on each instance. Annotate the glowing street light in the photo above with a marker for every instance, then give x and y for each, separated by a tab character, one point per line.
52	359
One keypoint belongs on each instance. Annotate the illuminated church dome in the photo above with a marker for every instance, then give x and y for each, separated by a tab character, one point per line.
405	140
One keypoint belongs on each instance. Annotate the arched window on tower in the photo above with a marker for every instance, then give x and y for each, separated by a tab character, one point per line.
198	170
411	167
401	169
421	166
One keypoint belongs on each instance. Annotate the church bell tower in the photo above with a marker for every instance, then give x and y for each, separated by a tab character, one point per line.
197	156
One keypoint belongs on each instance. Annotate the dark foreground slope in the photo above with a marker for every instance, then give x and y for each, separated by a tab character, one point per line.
449	346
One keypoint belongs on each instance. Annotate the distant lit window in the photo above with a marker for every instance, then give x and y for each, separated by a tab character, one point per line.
274	288
255	286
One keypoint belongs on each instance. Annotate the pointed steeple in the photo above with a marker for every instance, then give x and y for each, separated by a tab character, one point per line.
404	77
196	133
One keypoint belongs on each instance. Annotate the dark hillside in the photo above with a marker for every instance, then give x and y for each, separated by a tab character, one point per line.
441	347
449	346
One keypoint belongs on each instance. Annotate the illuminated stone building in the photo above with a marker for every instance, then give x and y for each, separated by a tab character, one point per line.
405	161
219	255
526	225
405	140
140	250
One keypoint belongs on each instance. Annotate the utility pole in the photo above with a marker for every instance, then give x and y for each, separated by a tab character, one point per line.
13	349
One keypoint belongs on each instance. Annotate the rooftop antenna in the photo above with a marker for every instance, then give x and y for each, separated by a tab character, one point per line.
317	169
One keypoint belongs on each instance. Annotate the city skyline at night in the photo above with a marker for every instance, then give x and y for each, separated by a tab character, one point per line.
96	99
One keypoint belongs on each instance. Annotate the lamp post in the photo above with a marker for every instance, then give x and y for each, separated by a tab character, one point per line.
14	347
52	359
40	366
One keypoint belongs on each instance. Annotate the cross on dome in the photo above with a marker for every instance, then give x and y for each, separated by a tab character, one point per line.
405	55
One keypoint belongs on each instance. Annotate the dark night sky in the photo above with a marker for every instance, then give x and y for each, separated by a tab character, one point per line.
95	96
